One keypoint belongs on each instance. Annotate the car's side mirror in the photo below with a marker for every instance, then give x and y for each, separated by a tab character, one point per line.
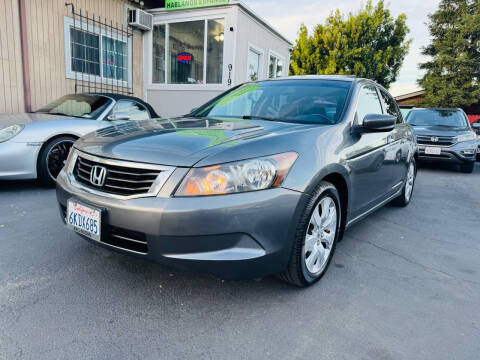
378	122
118	116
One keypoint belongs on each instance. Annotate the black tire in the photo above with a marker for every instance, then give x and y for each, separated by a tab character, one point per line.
55	150
402	200
296	272
467	168
478	157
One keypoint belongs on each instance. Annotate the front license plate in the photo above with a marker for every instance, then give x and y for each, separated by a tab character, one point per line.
432	150
84	219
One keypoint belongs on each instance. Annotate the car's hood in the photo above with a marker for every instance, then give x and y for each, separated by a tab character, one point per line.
176	142
25	118
439	130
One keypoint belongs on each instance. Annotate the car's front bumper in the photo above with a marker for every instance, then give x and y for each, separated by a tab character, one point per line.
18	160
232	236
459	153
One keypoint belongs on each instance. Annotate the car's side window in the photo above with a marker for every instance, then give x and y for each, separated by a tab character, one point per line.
368	102
391	107
131	108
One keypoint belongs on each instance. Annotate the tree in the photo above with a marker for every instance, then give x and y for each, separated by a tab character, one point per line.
452	74
369	44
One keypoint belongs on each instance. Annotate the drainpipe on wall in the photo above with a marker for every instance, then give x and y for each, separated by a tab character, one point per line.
25	60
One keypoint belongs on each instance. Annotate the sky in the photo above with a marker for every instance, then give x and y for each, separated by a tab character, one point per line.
287	15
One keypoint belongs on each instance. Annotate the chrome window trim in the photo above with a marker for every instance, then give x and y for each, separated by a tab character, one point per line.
165	172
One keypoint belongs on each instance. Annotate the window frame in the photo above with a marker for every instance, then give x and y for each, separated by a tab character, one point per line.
384	94
261	61
82	26
359	122
204	85
129	100
277	57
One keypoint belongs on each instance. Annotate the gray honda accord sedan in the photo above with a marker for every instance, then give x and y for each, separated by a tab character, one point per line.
263	179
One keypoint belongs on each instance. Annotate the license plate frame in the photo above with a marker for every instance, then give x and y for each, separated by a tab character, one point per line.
432	150
91	212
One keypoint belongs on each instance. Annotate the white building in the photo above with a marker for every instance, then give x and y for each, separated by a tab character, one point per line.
194	54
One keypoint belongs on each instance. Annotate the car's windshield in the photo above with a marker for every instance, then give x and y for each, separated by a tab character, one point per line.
299	101
437	117
78	105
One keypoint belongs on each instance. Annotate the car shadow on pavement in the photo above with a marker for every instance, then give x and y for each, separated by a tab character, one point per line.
20	185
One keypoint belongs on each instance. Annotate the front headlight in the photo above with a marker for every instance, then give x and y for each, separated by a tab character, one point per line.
10	132
466	137
240	176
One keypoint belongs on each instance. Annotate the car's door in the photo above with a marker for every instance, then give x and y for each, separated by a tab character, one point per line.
397	154
367	156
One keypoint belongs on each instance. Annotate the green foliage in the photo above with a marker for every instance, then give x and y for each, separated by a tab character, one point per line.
369	44
452	75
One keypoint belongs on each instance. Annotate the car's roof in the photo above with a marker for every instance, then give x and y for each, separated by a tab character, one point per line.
350	78
437	108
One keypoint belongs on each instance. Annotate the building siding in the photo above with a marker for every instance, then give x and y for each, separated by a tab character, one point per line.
46	49
11	79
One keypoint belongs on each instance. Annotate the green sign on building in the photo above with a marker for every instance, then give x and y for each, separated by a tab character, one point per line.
189	4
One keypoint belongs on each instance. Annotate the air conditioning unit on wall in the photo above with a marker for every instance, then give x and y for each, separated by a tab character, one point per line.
140	19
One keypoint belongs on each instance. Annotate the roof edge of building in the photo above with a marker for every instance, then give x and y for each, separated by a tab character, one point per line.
244	7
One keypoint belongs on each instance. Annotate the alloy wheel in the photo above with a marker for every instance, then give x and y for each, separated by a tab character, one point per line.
320	235
410	181
57	157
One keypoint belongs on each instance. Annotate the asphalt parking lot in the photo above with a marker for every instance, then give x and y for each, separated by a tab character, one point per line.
404	284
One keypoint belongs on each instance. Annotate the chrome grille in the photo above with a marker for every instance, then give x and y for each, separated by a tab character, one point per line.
441	140
123	179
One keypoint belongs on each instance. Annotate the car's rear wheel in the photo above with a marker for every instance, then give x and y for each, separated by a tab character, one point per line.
52	158
316	236
406	195
467	168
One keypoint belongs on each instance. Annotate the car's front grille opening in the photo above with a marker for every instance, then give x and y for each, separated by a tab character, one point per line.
436	140
119	180
126	239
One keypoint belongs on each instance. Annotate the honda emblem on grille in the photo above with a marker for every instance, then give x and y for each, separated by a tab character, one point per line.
98	175
434	139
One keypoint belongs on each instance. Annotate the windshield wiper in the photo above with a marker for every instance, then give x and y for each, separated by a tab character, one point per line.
252	117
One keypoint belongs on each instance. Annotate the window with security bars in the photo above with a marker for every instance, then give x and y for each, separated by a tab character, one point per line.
105	57
85	48
114	59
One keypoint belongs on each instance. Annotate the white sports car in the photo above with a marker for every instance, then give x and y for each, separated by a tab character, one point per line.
36	145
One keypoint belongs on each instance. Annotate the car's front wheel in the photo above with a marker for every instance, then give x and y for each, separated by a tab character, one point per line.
316	236
52	158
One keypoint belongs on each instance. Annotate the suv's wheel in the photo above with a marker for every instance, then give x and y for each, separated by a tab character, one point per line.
52	159
467	168
404	198
316	236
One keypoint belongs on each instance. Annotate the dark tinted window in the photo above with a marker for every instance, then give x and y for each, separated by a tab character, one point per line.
391	106
133	109
437	117
368	102
78	105
302	101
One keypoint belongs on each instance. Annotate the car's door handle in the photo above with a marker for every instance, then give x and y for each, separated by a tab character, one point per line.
390	139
